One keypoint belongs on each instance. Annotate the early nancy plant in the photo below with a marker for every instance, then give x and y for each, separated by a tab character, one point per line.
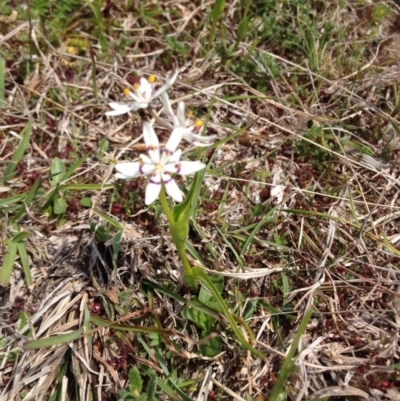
160	164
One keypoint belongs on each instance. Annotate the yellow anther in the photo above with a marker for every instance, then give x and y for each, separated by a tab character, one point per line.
198	123
190	114
152	79
127	92
136	85
72	50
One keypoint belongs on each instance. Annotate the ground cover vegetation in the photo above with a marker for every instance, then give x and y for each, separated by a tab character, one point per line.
295	228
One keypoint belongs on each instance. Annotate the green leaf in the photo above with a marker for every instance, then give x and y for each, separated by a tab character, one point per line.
60	206
152	385
19	237
180	221
102	233
205	296
212	348
199	318
135	382
86	202
57	170
124	395
155	339
18	154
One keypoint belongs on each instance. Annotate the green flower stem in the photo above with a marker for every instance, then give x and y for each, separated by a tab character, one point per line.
180	247
184	260
165	206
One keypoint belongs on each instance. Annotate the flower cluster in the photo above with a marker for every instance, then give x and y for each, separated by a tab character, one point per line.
159	164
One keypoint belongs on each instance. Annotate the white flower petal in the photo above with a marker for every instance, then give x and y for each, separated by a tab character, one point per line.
167	105
172	168
166	86
187	167
147	169
140	105
175	139
145	89
172	188
196	139
181	114
152	144
128	170
199	144
146	160
175	157
153	188
119	109
135	96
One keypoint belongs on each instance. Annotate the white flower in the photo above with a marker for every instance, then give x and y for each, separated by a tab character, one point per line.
142	95
159	165
183	127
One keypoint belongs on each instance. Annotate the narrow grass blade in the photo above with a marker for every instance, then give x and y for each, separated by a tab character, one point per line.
167	389
8	263
29	197
200	275
215	15
266	218
74	167
353	209
242	28
191	249
287	367
11	200
230	246
50	341
18	154
108	219
116	242
163	364
124	327
86	187
23	256
2	81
